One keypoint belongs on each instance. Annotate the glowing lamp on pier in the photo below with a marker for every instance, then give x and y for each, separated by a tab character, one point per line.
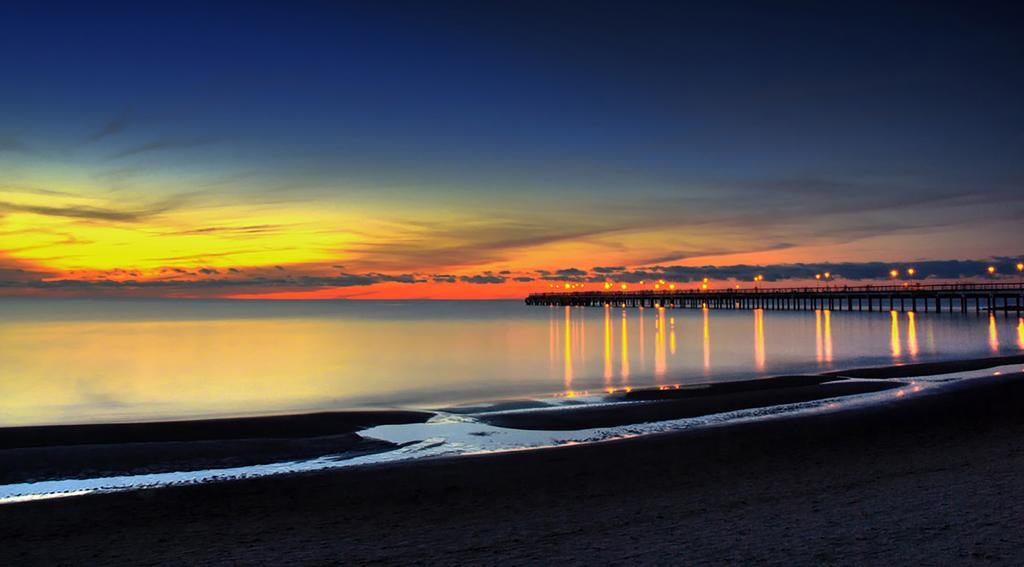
624	286
671	286
894	273
828	275
607	285
817	276
1020	267
991	269
911	271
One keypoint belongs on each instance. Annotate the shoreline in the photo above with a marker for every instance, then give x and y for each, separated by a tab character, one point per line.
57	452
927	479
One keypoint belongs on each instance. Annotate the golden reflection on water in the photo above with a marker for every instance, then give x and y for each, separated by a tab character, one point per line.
818	351
672	336
568	352
104	370
912	335
552	339
624	373
583	334
643	346
894	335
659	345
707	342
759	357
828	337
993	333
607	346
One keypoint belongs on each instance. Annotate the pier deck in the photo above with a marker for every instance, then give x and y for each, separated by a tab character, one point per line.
961	297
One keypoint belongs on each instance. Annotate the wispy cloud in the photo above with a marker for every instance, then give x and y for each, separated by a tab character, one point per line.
9	143
95	213
114	126
871	270
164	144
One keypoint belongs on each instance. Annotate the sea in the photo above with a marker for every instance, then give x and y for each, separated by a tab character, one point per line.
72	361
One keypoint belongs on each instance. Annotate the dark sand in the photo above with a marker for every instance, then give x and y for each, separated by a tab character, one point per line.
661	405
81	451
930	479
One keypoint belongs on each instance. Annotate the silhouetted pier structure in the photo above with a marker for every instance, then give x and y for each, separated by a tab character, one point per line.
961	297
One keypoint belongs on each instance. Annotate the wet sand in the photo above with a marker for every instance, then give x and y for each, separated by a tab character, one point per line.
933	479
80	451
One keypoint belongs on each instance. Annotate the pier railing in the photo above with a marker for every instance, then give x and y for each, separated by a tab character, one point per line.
988	296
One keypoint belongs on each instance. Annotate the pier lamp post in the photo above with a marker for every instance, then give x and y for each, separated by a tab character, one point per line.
1020	266
991	270
671	286
911	272
894	273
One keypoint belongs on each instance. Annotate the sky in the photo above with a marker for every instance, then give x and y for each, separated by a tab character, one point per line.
489	150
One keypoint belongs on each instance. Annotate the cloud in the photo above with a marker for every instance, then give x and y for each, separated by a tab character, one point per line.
426	245
876	270
116	125
11	144
210	284
234	230
483	279
94	213
163	144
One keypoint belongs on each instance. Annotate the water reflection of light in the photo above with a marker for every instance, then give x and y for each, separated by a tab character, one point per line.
894	335
820	356
672	335
659	345
759	338
568	352
643	346
707	342
993	333
625	350
607	346
1020	333
552	340
827	339
582	342
912	335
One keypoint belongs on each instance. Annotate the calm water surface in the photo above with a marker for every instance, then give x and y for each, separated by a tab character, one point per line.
75	361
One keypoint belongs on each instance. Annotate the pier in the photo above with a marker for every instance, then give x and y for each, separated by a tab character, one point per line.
951	297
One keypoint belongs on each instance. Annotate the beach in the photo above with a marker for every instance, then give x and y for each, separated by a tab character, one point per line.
928	479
